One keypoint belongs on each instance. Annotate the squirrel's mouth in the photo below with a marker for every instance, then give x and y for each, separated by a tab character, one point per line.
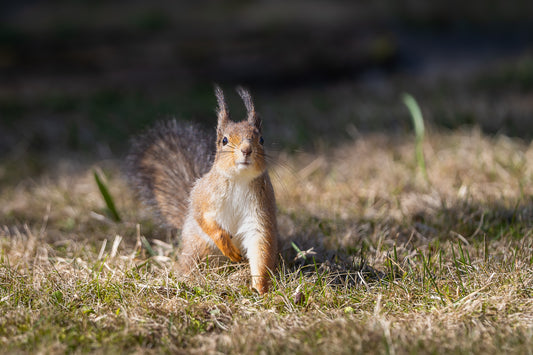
244	163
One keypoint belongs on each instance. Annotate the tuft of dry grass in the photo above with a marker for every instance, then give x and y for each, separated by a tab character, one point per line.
388	263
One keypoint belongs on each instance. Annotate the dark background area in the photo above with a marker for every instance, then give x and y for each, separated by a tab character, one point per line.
78	78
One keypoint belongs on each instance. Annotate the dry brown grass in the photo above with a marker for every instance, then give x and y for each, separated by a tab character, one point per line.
393	264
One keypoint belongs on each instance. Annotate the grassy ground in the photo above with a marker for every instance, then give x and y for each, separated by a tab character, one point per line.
390	262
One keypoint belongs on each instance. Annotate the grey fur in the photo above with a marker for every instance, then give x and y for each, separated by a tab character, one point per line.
164	163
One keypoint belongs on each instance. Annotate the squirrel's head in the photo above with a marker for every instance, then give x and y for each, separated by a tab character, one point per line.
239	144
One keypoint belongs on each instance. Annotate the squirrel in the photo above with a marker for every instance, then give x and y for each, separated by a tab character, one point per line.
226	202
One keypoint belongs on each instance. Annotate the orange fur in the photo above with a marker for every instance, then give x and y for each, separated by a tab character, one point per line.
221	238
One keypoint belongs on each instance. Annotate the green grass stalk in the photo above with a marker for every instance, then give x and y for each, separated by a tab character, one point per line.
107	197
418	123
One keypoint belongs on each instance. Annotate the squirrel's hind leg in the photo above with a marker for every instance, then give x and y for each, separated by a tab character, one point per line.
194	249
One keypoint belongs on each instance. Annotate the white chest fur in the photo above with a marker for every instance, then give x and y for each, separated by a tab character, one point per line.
238	212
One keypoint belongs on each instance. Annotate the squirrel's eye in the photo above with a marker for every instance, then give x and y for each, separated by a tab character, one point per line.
261	140
224	141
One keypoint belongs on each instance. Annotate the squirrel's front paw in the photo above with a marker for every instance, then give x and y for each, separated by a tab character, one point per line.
234	254
223	241
229	249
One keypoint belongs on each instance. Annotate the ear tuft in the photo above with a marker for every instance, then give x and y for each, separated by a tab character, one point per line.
252	118
222	109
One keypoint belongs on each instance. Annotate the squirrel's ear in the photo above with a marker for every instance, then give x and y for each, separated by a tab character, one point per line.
252	118
222	109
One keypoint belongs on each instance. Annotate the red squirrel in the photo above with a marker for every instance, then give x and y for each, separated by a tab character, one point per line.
223	205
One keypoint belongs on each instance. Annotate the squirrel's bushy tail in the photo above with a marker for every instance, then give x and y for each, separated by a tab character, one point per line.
164	163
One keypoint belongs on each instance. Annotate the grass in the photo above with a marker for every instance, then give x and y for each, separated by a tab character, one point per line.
418	123
107	197
372	261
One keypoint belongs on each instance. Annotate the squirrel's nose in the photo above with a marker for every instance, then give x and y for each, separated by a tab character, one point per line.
246	150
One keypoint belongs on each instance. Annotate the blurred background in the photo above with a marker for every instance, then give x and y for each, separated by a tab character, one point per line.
78	77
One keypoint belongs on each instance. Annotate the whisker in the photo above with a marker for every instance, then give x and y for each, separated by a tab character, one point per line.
280	182
276	162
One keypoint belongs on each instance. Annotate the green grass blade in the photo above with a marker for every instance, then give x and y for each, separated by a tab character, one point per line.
418	123
107	197
299	251
416	115
148	247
